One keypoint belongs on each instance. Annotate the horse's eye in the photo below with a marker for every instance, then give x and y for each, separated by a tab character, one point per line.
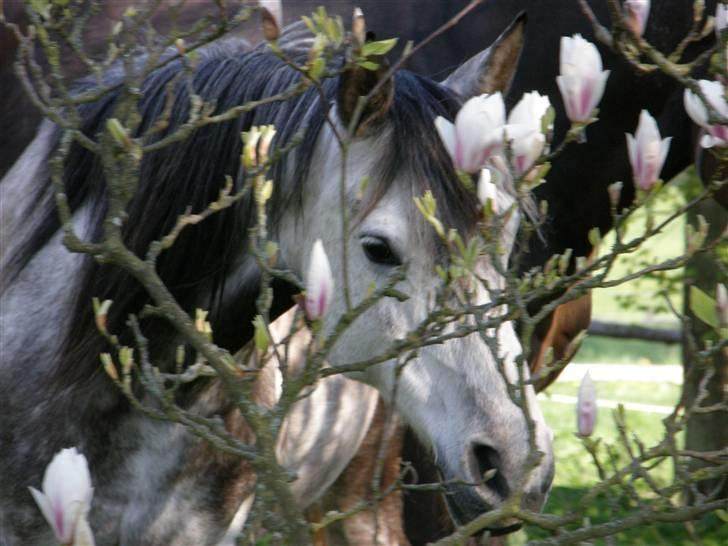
377	250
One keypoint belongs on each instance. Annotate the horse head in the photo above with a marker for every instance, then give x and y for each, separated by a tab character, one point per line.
455	394
459	395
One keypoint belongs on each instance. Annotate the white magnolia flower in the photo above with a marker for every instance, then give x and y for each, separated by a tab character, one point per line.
715	94
525	132
581	80
66	497
319	283
486	188
647	152
586	406
477	133
636	13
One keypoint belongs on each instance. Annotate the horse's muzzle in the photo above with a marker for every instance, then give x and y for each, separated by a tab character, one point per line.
470	498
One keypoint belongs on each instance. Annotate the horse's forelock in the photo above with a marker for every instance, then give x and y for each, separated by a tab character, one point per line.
417	155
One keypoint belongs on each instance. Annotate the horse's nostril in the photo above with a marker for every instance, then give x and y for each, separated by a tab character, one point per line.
488	460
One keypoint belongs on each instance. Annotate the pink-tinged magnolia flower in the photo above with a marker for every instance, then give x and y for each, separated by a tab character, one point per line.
586	406
525	132
581	80
66	497
477	133
319	283
647	152
636	13
714	93
721	18
274	7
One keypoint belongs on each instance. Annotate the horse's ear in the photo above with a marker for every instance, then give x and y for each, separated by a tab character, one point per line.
358	81
491	70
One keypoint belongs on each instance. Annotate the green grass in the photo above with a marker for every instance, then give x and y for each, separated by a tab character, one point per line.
641	301
637	302
575	472
662	394
627	351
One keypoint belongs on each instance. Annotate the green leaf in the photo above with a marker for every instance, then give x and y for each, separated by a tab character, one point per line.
466	180
317	69
594	236
564	261
271	249
118	132
109	367
547	121
703	307
41	7
309	24
363	185
368	65
261	334
381	47
266	191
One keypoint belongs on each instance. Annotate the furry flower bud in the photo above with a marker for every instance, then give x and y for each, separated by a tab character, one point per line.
647	152
581	79
477	133
319	283
717	135
586	406
66	497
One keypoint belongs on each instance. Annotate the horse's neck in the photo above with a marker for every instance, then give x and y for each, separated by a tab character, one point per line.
17	189
37	300
36	307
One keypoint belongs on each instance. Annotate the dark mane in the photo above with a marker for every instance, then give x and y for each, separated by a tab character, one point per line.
190	173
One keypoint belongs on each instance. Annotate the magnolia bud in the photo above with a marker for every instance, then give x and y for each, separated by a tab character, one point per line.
269	23
721	304
586	407
319	283
614	191
66	497
581	79
721	18
647	152
636	13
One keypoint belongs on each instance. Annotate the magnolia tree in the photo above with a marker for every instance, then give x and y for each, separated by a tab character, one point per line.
493	150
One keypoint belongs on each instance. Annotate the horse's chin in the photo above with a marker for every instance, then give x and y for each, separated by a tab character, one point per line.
462	511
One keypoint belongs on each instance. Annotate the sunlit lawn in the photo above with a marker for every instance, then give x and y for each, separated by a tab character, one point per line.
642	301
627	351
646	305
639	302
665	394
576	473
